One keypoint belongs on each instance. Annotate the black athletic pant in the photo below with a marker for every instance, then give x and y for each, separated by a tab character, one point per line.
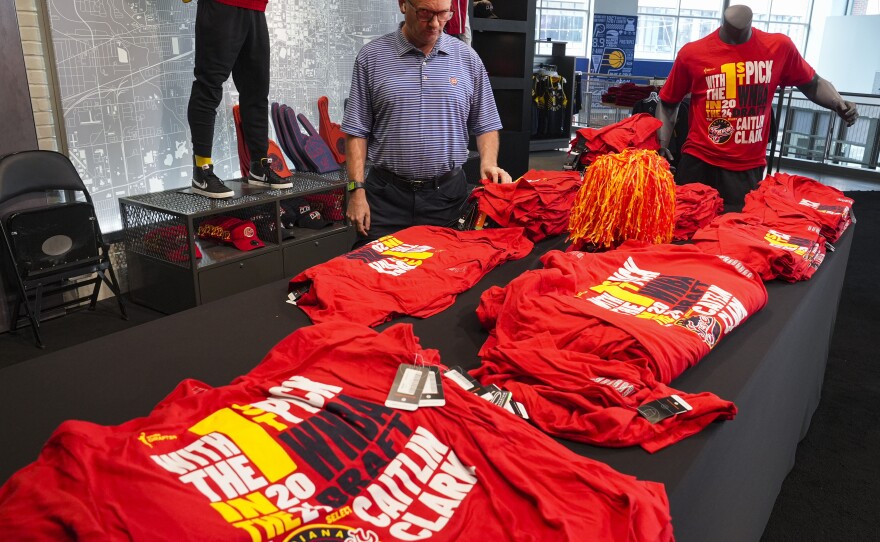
731	185
230	40
394	207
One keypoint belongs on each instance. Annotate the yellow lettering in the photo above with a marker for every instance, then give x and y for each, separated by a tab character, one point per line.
251	439
729	71
620	291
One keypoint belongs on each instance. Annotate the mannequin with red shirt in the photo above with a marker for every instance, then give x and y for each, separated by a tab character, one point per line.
731	75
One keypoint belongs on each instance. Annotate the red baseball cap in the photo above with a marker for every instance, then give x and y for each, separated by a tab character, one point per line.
170	242
240	233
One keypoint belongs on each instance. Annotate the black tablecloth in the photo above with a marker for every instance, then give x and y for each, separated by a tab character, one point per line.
722	482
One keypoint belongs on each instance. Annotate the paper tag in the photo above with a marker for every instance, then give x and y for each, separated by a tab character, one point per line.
659	410
407	387
460	377
432	392
520	410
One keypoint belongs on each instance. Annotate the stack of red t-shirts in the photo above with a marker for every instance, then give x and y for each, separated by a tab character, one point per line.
627	94
637	131
540	202
789	196
584	398
696	204
417	271
789	249
304	448
667	304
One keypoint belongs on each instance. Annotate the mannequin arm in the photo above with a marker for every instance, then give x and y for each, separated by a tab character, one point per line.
821	91
666	113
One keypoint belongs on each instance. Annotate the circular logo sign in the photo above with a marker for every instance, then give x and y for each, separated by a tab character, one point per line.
720	131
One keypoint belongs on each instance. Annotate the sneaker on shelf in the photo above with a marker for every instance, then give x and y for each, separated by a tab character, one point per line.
262	174
207	184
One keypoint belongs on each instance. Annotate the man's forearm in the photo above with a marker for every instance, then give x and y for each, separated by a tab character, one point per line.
355	157
488	144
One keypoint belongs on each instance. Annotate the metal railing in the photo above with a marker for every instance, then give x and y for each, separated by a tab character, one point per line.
805	131
595	113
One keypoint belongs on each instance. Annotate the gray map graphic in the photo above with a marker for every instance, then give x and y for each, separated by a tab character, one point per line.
125	73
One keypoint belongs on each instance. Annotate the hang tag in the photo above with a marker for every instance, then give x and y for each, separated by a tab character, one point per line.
432	392
659	410
520	410
407	387
460	377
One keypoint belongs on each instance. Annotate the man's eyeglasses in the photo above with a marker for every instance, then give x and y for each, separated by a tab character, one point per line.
425	15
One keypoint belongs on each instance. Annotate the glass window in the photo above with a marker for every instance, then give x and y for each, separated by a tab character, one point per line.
666	25
562	21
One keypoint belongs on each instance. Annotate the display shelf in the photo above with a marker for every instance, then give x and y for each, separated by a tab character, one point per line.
565	68
170	274
506	47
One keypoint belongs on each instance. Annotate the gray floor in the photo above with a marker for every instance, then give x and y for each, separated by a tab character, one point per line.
844	179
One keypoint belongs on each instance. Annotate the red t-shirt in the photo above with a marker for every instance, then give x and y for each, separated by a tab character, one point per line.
668	304
417	271
303	448
789	249
540	202
788	195
584	398
731	89
256	5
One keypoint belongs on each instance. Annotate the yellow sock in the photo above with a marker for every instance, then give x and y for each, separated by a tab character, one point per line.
203	160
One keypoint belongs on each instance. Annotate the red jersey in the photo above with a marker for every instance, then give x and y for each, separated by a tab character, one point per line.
798	196
668	304
256	5
731	89
303	448
789	249
417	271
540	202
456	25
581	397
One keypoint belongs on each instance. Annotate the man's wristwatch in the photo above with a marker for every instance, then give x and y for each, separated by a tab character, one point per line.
354	185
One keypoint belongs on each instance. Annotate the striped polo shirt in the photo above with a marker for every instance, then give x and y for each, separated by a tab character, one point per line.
416	111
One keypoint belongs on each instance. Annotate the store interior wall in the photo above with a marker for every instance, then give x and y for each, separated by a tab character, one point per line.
124	72
849	56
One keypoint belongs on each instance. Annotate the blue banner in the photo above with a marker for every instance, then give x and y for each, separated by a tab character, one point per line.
614	44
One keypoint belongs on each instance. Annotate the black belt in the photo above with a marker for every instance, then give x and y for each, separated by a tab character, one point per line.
416	185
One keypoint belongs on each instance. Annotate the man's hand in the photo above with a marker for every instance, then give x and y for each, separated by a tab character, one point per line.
358	211
665	153
495	173
848	112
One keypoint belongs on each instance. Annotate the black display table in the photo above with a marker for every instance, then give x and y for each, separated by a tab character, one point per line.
722	482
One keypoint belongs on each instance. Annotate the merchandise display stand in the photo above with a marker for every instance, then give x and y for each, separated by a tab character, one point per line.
506	46
721	482
169	275
565	68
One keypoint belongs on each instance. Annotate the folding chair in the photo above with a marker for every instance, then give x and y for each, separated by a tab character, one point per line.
48	245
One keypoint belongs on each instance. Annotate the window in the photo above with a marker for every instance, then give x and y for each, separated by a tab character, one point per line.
865	7
666	25
562	21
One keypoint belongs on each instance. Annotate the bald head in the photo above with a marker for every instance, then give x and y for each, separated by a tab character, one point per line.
737	24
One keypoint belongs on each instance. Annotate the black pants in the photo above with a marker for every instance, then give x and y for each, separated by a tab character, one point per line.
230	40
394	207
731	185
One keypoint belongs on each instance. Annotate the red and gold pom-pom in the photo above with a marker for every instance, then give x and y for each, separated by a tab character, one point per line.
627	195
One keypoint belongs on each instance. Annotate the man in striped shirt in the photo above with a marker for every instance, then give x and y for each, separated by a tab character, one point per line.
416	95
